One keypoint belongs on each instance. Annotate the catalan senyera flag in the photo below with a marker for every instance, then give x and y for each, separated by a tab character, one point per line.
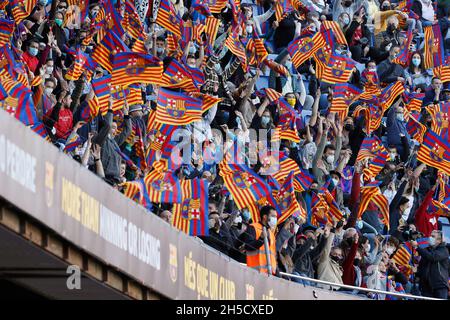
403	255
434	47
373	148
277	67
257	50
278	11
287	202
336	30
371	192
272	94
439	119
177	76
344	94
435	152
6	29
334	211
177	108
303	47
168	18
413	101
132	67
107	48
247	188
338	70
191	216
302	180
21	9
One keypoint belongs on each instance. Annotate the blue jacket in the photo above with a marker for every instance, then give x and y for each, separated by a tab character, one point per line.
395	128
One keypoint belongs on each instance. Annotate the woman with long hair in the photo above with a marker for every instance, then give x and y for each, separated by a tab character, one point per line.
416	74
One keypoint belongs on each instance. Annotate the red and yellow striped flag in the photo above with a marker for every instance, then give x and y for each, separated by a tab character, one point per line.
212	26
336	30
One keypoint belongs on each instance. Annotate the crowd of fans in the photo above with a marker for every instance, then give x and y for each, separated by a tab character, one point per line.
353	250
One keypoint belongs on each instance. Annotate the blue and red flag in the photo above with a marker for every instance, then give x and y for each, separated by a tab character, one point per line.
435	152
434	47
110	45
177	108
6	29
191	216
132	67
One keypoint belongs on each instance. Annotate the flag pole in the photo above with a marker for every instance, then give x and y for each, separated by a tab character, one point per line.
266	249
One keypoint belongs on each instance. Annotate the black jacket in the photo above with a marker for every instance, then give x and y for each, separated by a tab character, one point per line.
433	266
221	240
304	256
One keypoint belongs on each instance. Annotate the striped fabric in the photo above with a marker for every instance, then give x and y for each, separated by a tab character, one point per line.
130	67
435	152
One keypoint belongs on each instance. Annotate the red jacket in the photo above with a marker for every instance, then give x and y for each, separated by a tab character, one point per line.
349	276
64	124
426	222
31	61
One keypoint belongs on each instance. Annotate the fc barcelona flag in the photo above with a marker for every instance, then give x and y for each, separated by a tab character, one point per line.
404	55
415	129
110	45
177	108
439	119
237	48
131	67
286	129
160	135
24	106
434	47
302	180
371	192
443	72
6	29
338	70
390	93
201	7
247	188
372	148
176	76
302	48
287	202
77	68
372	115
336	30
191	216
21	9
211	29
132	21
403	255
168	18
435	152
343	96
163	187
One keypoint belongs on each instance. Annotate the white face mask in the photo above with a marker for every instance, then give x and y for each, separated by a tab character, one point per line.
296	227
191	65
335	182
48	91
273	222
359	224
49	70
390	250
431	241
249	30
238	219
330	159
367	248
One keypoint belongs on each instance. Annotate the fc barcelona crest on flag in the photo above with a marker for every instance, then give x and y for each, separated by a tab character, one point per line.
190	209
284	199
162	186
135	66
437	153
305	45
338	68
243	180
175	108
442	119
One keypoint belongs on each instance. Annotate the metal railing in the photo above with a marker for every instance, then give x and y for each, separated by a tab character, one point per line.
344	286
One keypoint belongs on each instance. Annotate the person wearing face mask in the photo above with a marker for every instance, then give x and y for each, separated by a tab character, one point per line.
357	35
29	57
48	98
336	189
324	160
352	274
397	134
344	21
58	31
433	269
254	240
219	236
329	266
309	246
390	72
416	74
348	6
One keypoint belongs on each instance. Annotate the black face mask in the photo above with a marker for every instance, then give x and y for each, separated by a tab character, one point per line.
347	3
349	127
356	262
336	259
